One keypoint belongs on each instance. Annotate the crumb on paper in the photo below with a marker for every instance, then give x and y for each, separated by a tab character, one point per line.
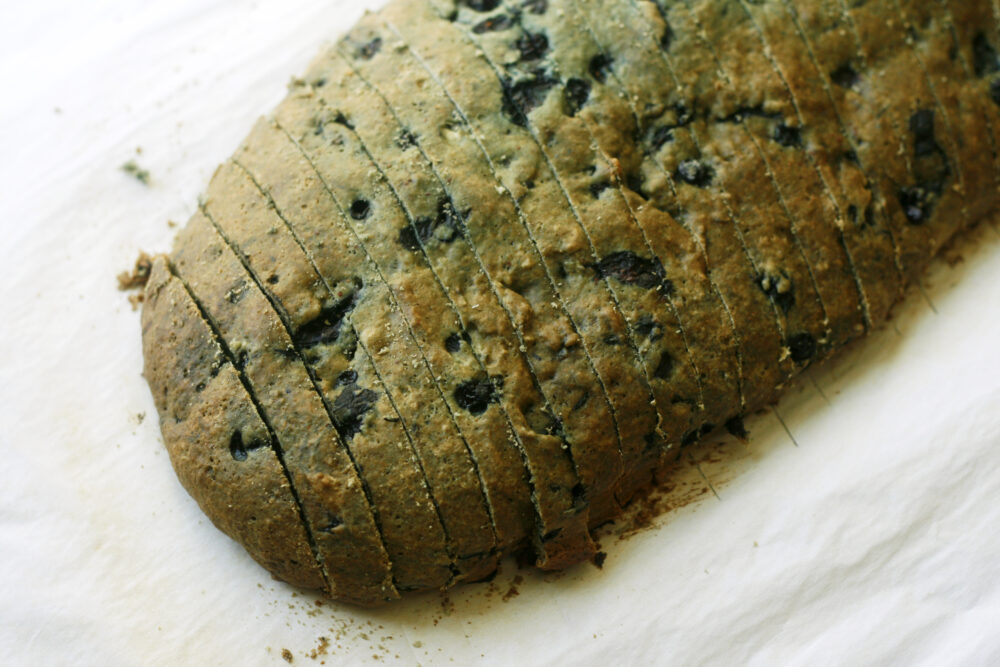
134	170
321	648
287	655
513	592
136	278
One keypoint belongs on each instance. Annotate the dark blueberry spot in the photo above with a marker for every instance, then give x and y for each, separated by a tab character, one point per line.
239	449
649	328
597	188
984	56
332	524
482	5
200	387
532	45
684	116
368	50
476	395
577	93
444	227
579	493
803	347
409	237
598	560
522	96
779	289
600	66
852	214
790	137
236	448
695	173
917	203
360	209
406	139
535	6
653	440
665	368
922	128
347	377
845	76
995	91
325	328
349	409
736	428
272	279
850	156
341	119
236	293
634	182
662	135
319	83
448	221
453	343
612	339
627	267
493	24
667	38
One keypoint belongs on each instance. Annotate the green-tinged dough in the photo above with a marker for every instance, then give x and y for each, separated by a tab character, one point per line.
493	262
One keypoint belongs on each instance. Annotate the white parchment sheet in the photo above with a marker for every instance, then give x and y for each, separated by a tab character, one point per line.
865	529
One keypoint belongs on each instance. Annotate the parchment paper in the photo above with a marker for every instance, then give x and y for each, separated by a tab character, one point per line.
860	525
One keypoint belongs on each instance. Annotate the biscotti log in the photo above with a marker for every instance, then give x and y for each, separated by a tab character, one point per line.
490	263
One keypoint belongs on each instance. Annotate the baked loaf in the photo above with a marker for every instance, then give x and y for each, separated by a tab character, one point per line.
490	262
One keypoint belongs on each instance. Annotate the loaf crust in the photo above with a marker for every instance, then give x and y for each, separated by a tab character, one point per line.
492	262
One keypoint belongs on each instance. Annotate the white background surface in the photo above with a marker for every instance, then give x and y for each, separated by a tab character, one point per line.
874	540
